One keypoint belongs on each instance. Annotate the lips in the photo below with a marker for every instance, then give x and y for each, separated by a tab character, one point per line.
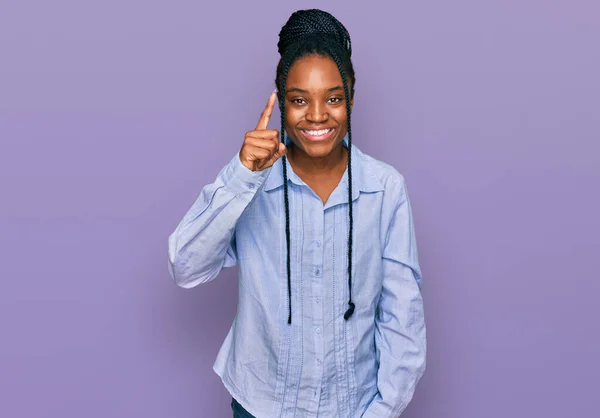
317	134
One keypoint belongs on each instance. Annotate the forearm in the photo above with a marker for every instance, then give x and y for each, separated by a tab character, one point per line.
400	333
200	246
402	362
401	344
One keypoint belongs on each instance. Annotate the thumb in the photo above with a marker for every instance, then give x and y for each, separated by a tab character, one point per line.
282	150
277	155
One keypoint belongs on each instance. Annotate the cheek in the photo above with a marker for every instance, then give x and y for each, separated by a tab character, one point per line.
293	116
339	114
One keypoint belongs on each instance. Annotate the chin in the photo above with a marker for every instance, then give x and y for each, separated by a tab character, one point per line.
320	150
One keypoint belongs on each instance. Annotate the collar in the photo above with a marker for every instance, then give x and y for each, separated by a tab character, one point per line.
363	177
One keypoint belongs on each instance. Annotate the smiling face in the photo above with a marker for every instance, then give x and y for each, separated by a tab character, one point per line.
315	106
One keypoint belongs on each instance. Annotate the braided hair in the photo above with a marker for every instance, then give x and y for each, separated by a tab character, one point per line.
315	32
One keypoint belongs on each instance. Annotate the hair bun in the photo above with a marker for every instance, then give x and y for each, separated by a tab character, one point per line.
313	22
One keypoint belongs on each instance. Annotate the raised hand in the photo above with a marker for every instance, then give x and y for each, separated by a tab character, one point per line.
262	147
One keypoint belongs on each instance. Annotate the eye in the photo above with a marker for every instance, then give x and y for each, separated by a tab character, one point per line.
298	101
335	100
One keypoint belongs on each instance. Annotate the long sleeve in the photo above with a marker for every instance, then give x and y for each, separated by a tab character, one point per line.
400	336
204	241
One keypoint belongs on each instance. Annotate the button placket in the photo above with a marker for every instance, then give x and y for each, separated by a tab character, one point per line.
318	272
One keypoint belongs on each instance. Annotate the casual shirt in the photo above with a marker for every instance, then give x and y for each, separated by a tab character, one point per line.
320	365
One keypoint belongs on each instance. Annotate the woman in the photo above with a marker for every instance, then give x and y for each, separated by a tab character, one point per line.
330	316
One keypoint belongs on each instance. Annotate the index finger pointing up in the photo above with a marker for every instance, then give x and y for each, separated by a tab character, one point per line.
263	122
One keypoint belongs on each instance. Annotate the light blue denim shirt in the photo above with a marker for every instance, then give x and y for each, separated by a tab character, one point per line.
320	365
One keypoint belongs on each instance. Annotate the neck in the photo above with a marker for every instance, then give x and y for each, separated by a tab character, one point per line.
302	162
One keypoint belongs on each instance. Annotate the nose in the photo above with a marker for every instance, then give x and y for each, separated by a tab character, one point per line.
317	112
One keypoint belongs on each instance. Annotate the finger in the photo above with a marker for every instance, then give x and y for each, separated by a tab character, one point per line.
263	122
266	134
275	141
272	145
253	156
253	152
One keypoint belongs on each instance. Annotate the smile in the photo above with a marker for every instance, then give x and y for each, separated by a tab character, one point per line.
317	135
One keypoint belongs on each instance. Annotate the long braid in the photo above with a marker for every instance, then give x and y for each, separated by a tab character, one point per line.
316	32
286	69
287	234
351	305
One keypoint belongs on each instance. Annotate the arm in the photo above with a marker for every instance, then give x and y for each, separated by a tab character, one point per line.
400	338
203	242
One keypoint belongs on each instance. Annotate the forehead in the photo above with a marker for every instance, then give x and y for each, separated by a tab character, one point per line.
314	72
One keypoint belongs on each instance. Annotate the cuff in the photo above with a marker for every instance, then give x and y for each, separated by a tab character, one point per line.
377	410
240	179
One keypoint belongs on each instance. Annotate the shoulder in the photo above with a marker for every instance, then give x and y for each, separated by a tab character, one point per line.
381	174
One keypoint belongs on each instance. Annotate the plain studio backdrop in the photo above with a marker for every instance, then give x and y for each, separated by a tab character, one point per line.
114	114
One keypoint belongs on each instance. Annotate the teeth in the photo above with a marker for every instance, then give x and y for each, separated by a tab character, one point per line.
319	132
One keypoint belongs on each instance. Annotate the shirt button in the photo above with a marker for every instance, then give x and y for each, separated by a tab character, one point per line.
251	186
318	244
317	272
317	300
318	330
318	362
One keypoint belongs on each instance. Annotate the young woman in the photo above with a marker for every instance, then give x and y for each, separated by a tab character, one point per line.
330	316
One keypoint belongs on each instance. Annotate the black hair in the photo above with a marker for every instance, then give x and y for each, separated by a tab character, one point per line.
315	32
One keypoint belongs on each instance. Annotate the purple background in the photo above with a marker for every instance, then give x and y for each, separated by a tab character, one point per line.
113	115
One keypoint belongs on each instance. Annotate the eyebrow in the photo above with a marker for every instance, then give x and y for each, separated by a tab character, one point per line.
297	90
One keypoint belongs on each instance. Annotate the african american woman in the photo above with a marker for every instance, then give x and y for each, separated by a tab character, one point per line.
330	319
